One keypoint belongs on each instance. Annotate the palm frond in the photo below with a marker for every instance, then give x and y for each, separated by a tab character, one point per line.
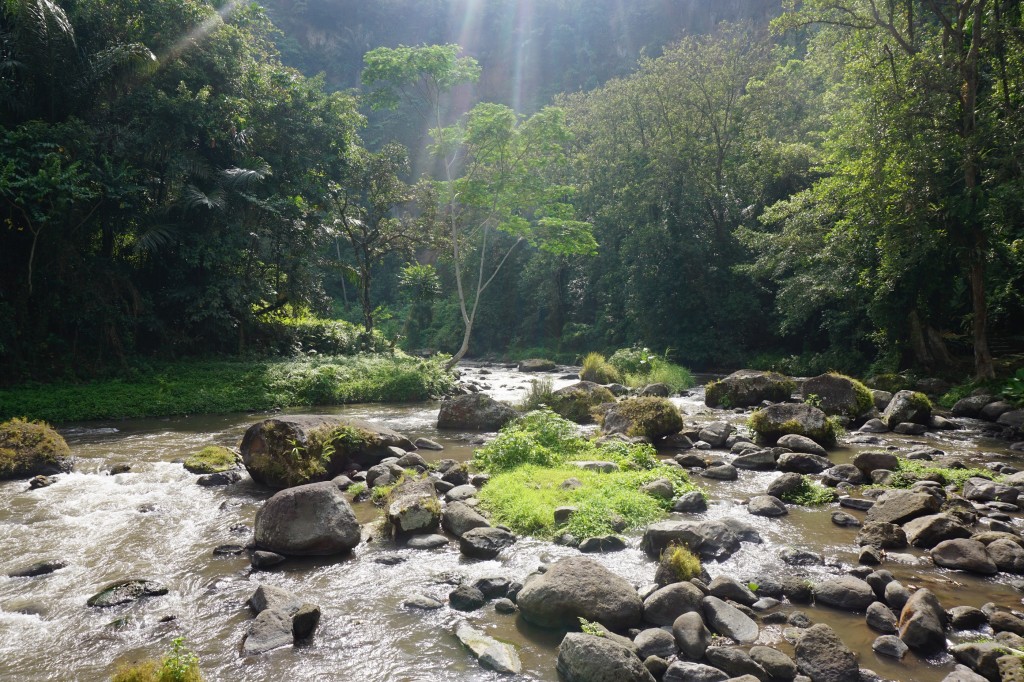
133	59
154	238
193	197
239	178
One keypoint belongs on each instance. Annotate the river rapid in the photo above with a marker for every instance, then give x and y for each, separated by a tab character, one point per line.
154	522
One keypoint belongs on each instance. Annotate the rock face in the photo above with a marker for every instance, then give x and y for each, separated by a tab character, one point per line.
748	387
30	449
414	508
923	622
285	452
652	418
586	658
475	412
907	406
579	587
306	520
491	653
775	421
575	402
838	394
823	657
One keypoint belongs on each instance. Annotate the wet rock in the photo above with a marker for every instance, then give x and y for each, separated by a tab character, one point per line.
271	629
870	461
869	556
1001	621
845	520
692	502
880	618
504	605
909	429
656	666
579	587
802	463
961	673
1014	419
466	598
747	388
765	505
882	535
459	518
38	569
984	490
844	592
923	622
786	483
799	619
729	621
40	481
993	411
726	588
822	656
305	621
890	645
684	671
964	555
426	542
874	426
422	602
778	665
980	657
798	443
1011	667
655	642
838	395
710	539
585	658
928	531
723	472
492	654
966	617
269	597
842	473
603	544
536	365
900	506
1006	555
427	444
800	557
126	592
485	543
971	406
668	603
313	519
219	479
775	421
414	507
756	460
475	412
716	433
907	406
896	595
262	559
735	662
691	635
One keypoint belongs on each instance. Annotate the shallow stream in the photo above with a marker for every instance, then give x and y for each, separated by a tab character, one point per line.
155	522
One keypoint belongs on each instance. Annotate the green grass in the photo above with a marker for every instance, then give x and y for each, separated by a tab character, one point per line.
910	471
178	665
683	564
210	460
597	369
213	387
810	494
676	377
540	394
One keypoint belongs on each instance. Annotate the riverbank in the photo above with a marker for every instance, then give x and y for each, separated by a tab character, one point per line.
192	387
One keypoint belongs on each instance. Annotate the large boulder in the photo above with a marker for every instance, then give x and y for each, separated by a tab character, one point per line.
727	620
295	450
576	402
413	507
907	406
837	394
664	606
475	412
928	531
971	406
307	520
30	449
579	587
823	657
712	540
126	592
459	518
652	418
775	421
923	622
586	658
748	387
900	506
964	555
844	592
536	365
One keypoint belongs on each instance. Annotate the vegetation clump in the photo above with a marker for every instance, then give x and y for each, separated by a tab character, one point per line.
599	370
677	564
766	424
910	471
28	448
577	403
178	665
639	367
648	416
531	462
809	493
211	460
288	461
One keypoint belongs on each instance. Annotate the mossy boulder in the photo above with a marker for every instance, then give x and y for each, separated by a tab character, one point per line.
907	406
30	449
536	365
652	418
476	411
213	459
577	402
285	452
748	387
775	421
413	507
838	394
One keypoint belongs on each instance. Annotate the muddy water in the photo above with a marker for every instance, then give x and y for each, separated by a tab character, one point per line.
156	523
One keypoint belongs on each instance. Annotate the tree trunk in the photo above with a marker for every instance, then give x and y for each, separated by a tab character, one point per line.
463	348
983	367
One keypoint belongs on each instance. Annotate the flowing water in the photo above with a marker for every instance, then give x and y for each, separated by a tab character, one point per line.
155	522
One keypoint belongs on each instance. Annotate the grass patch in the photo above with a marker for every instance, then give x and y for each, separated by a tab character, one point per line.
597	369
810	494
676	377
539	395
910	471
210	460
679	564
178	665
214	387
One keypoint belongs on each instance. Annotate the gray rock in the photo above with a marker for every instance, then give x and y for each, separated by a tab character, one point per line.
845	520
711	539
870	461
1006	555
271	629
922	623
880	618
427	444
776	421
585	658
766	505
961	673
603	544
880	398
966	617
684	671
665	605
900	506
756	460
800	557
798	443
485	543
579	587
459	518
896	595
802	463
874	426
882	535
655	642
722	472
476	412
906	406
269	597
126	592
730	589
778	665
313	519
729	621
747	388
823	657
735	662
37	569
890	645
414	507
928	531
716	433
844	592
492	654
909	429
466	598
422	602
691	635
980	657
837	395
993	411
427	542
692	502
984	490
1014	419
461	493
786	483
964	555
305	621
971	406
660	488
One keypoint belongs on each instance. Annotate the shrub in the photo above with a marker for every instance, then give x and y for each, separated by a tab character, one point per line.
1013	388
910	471
597	369
676	377
538	395
211	459
539	437
178	665
810	494
632	360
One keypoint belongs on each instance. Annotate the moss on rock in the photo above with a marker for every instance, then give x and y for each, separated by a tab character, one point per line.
776	421
211	460
577	402
648	417
30	448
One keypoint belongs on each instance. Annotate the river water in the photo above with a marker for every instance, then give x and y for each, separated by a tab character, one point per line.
156	523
